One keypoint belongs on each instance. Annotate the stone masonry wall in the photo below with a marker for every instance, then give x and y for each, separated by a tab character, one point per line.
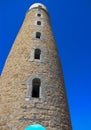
51	111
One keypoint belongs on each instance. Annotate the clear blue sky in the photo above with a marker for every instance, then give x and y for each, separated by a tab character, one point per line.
71	24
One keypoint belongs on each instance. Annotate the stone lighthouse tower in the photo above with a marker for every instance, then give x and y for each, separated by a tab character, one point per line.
31	86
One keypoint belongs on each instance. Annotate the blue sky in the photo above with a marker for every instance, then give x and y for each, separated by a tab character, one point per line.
71	24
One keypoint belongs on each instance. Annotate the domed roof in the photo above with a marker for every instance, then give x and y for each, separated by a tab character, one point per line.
38	5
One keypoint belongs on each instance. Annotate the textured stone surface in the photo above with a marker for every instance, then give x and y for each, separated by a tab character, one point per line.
15	111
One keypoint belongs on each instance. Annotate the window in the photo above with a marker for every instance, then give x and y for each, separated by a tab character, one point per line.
38	22
39	15
38	35
37	54
36	88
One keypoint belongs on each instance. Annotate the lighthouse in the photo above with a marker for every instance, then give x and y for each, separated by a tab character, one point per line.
32	90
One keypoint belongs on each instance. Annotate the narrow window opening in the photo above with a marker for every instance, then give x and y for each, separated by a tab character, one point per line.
37	54
38	22
39	15
36	88
38	35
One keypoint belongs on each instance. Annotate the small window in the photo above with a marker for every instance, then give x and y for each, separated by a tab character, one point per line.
39	15
38	22
37	54
36	88
38	35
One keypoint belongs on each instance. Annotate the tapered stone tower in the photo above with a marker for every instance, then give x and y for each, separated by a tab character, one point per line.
31	86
